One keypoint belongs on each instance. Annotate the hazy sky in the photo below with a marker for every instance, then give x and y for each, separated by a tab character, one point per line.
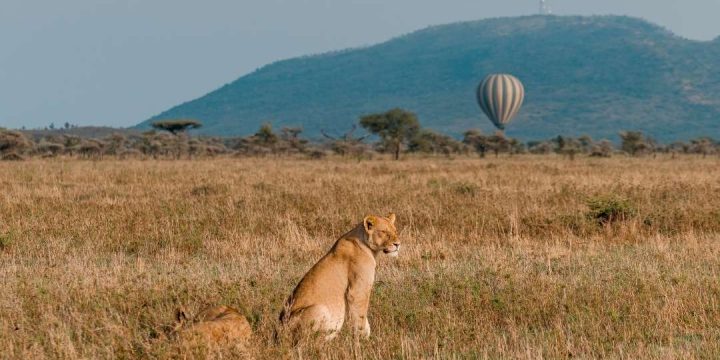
118	62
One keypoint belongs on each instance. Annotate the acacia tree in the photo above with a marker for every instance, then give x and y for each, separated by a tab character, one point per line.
49	149
116	143
703	145
395	127
263	142
266	136
586	144
633	142
428	141
176	126
602	148
291	140
541	147
347	144
499	143
477	141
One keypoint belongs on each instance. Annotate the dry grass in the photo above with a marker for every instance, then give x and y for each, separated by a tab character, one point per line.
501	257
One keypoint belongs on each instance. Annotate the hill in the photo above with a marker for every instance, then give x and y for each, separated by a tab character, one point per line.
583	75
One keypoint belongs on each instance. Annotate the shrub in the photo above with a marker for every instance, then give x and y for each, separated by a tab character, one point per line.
608	209
12	157
13	142
465	188
5	241
317	154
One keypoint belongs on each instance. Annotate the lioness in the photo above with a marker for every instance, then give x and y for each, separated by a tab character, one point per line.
219	325
339	285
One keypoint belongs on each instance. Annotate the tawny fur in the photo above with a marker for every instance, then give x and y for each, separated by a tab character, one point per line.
218	325
337	289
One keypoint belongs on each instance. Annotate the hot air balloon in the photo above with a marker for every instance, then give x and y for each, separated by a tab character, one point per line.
500	96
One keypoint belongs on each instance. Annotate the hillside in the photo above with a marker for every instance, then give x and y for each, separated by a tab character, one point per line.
583	75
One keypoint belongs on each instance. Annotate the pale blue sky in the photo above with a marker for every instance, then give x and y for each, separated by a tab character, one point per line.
118	62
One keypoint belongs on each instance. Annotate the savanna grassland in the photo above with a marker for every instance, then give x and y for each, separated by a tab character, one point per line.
521	257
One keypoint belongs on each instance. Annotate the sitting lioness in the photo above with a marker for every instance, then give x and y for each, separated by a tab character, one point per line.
339	285
219	325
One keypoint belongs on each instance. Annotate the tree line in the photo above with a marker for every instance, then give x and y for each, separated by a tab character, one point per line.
393	132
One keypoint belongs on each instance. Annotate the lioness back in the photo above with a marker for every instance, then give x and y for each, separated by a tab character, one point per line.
220	325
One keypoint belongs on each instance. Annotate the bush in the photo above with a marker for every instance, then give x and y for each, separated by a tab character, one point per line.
12	157
465	188
317	154
5	241
13	142
608	209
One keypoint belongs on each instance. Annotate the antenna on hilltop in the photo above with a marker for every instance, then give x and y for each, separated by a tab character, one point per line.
545	8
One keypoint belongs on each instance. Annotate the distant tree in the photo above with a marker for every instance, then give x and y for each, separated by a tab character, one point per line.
206	146
633	142
498	143
52	126
266	136
51	145
49	149
347	144
290	133
264	142
428	141
678	147
215	146
13	142
166	145
67	125
395	127
291	141
571	147
249	145
149	145
176	126
424	141
90	148
541	147
652	145
115	144
475	139
586	144
559	144
704	146
603	148
516	146
70	141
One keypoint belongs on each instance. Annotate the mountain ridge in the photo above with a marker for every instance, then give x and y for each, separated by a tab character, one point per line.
583	75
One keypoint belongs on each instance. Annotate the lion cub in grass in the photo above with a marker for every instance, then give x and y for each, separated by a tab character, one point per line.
218	325
339	285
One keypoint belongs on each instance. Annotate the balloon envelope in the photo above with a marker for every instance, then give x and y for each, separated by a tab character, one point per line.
500	97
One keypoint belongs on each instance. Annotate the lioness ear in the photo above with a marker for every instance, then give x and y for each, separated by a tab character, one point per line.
369	223
391	218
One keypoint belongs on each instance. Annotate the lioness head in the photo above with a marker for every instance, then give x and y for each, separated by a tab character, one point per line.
381	234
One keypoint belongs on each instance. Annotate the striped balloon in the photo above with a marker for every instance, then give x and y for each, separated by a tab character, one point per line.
500	96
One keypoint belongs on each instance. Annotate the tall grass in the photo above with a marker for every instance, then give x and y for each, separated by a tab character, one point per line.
501	258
